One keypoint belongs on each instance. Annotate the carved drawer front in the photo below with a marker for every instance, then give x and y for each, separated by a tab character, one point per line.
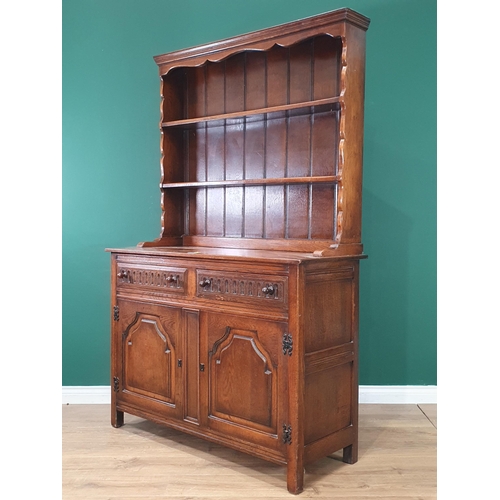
149	278
249	288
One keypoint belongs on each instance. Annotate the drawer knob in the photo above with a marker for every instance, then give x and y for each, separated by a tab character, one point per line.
172	279
123	274
205	282
268	290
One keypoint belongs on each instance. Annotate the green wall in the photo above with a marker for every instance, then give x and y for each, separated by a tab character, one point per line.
111	164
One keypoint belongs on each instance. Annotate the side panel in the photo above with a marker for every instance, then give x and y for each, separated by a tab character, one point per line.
330	328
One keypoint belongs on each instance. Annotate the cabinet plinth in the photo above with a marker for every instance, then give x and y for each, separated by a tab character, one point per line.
239	323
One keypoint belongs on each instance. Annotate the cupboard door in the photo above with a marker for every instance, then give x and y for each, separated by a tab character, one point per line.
246	378
147	341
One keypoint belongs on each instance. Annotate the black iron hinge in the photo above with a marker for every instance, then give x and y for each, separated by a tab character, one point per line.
287	344
116	384
287	434
116	313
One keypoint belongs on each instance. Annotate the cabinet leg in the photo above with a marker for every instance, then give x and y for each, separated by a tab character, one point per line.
116	417
350	454
295	479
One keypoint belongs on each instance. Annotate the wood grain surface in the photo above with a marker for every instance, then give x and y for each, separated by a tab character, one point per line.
143	460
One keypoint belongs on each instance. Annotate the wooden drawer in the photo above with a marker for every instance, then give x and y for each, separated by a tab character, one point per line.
148	278
242	287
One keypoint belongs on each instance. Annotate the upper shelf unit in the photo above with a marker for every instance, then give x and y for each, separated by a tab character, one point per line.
261	138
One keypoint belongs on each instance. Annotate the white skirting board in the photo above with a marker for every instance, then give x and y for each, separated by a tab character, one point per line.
368	394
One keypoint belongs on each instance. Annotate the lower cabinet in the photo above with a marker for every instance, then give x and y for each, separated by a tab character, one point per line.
257	356
218	373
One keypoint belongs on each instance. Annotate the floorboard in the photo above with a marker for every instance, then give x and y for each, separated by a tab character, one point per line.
430	411
143	460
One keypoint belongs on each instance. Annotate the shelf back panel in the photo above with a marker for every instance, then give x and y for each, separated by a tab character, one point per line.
272	212
294	143
297	146
254	79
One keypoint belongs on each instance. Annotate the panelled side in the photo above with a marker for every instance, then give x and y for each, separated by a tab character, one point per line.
330	341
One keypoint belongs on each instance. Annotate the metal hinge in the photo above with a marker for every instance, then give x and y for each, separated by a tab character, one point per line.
116	313
287	344
287	434
116	384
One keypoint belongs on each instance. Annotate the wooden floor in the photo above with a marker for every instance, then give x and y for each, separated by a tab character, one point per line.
142	460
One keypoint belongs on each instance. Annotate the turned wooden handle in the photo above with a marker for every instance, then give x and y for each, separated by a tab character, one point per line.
268	290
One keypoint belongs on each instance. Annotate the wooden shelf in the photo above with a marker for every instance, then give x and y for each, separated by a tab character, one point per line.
326	179
328	104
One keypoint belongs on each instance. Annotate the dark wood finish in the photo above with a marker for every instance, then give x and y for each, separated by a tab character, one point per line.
255	182
239	323
299	108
